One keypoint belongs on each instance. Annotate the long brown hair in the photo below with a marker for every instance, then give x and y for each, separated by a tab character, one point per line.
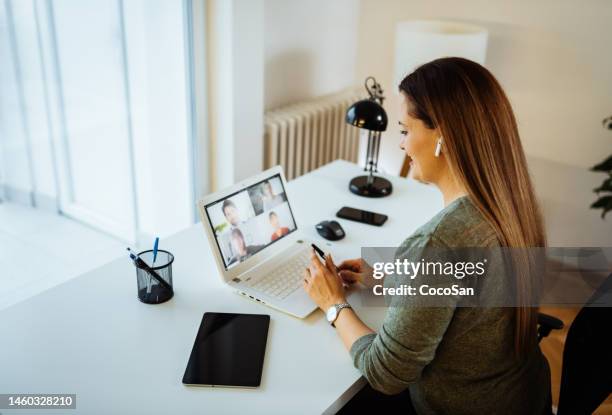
481	142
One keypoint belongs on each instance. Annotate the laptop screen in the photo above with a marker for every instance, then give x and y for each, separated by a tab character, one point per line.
250	220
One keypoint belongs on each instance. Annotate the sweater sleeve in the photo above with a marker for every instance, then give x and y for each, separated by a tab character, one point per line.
394	358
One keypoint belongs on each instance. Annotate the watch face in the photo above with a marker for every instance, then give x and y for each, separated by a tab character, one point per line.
331	314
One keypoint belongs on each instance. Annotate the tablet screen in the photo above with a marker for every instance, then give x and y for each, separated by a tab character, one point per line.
229	350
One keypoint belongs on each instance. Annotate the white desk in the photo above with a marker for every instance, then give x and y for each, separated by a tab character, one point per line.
92	337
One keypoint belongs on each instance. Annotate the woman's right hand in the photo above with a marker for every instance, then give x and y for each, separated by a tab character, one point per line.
356	270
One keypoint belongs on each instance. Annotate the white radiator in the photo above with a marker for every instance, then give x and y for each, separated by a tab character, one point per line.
304	136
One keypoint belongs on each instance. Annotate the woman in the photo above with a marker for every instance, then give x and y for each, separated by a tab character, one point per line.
460	135
239	246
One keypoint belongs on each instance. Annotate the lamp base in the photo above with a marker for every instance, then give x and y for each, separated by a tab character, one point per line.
379	187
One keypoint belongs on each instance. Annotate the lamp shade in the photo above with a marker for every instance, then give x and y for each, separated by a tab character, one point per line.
421	41
367	114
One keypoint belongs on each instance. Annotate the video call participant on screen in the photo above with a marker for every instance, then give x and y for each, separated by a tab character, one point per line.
279	231
269	199
241	250
231	213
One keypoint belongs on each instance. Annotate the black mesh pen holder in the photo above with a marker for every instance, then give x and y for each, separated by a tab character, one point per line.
150	290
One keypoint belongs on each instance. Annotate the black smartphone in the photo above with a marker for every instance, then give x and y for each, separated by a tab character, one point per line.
363	216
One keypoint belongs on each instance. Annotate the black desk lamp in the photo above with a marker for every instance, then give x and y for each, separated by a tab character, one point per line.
370	115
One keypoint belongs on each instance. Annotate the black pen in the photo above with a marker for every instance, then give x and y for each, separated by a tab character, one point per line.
141	264
321	253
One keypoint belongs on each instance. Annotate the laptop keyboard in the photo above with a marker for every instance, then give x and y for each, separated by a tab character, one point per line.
284	280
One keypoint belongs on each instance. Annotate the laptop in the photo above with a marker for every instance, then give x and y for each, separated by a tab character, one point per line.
258	248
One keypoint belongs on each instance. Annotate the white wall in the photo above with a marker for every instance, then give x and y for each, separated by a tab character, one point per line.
551	56
266	53
310	48
235	85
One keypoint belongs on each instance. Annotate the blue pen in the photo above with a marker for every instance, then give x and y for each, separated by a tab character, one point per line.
155	246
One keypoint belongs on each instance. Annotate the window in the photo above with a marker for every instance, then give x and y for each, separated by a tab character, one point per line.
97	112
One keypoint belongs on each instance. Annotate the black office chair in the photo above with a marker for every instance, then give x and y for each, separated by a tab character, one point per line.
586	376
546	324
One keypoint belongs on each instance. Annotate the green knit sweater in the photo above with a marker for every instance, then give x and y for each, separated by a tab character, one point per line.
454	360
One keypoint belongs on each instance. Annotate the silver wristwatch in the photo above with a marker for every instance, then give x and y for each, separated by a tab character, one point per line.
333	312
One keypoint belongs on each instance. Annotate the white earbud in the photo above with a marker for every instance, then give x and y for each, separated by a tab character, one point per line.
438	147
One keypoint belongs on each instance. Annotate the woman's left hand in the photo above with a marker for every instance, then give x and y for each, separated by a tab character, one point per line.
322	282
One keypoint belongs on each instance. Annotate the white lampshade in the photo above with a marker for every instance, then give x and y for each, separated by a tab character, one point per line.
420	41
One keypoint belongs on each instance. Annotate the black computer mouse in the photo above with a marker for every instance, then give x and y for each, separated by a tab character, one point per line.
330	229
